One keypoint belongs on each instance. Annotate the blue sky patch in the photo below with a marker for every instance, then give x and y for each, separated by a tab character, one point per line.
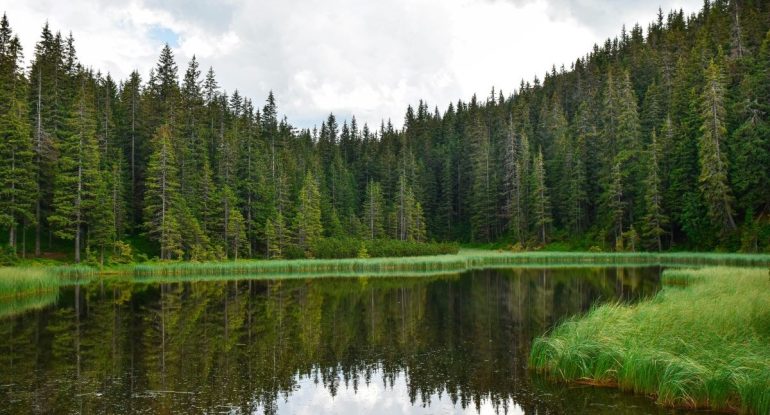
165	35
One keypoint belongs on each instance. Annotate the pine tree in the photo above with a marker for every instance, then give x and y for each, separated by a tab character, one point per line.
78	182
225	203
48	111
482	191
162	201
616	204
373	211
541	204
18	189
307	222
275	236
713	179
655	220
237	231
417	227
101	218
131	128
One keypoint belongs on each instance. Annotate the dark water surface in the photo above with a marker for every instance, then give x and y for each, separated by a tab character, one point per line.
426	345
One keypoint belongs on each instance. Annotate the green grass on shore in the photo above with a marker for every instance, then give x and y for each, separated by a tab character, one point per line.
704	345
19	281
465	260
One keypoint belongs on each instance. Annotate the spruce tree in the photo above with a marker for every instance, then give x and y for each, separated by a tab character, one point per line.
18	189
655	219
162	202
78	183
373	211
616	204
482	192
541	203
307	222
713	179
237	231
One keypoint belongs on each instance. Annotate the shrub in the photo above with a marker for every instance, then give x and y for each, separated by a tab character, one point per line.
362	252
122	253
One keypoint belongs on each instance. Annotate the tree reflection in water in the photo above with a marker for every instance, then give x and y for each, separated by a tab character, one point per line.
343	345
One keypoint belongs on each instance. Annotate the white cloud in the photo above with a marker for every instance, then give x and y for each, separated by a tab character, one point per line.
349	57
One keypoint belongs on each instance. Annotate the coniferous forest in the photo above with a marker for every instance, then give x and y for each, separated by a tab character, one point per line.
658	139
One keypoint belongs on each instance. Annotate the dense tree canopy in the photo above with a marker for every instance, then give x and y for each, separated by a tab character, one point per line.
663	130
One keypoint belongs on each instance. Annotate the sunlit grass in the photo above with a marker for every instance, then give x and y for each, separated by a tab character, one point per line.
17	281
704	345
463	261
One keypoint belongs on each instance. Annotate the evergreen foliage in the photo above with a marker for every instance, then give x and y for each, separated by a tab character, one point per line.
657	136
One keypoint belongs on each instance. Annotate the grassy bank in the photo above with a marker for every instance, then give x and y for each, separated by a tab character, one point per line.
702	342
462	261
465	259
20	281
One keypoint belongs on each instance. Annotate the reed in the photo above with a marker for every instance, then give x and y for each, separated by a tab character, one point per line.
17	281
704	345
463	261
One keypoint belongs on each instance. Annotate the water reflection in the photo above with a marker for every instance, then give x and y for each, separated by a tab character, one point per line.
453	344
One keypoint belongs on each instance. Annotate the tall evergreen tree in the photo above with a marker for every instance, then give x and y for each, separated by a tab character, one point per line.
307	222
373	211
541	203
713	178
162	202
78	182
18	189
655	220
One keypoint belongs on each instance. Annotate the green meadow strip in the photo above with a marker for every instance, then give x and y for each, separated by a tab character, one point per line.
463	261
19	281
704	345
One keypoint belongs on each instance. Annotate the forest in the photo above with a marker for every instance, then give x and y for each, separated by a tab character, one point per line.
656	140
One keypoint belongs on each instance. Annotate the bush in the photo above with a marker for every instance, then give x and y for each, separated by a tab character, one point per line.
337	248
122	253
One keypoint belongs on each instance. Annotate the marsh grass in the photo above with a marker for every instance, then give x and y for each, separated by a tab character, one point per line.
463	261
19	281
705	345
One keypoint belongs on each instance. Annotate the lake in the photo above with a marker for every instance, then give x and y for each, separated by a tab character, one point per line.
377	345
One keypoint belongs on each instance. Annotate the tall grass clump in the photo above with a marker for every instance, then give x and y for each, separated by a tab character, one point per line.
705	345
16	281
443	260
445	263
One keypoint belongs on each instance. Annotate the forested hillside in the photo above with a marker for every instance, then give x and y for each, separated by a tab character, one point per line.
657	139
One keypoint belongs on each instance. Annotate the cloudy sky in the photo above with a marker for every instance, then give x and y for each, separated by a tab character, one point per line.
368	58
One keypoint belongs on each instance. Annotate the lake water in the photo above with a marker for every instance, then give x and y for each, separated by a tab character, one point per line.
414	345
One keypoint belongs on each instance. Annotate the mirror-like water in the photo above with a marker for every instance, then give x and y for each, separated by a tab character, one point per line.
432	345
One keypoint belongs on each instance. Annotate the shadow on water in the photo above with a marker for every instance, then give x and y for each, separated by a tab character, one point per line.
440	344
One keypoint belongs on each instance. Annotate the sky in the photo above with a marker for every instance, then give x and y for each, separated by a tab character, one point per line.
379	398
351	57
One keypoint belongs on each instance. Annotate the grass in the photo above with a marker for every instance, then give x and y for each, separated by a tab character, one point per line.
704	345
20	281
466	259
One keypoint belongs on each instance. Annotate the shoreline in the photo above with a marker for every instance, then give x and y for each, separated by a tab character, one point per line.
464	260
700	343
